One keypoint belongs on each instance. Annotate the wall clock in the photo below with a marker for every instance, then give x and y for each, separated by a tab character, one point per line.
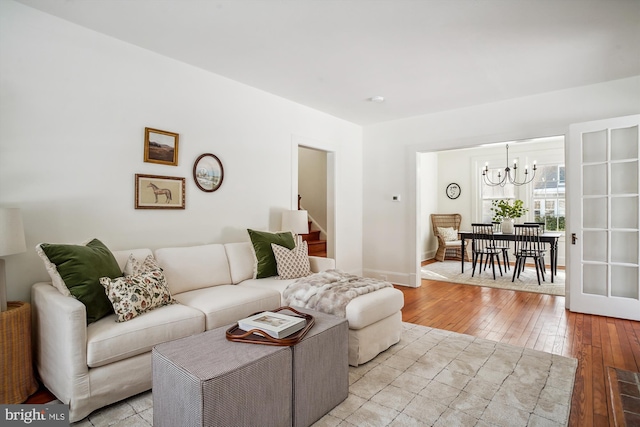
453	191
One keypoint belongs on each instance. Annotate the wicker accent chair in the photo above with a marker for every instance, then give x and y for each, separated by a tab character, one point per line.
444	245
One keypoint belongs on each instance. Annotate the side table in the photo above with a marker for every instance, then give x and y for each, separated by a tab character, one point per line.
17	382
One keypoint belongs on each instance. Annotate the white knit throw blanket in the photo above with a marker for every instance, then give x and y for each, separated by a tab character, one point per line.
329	291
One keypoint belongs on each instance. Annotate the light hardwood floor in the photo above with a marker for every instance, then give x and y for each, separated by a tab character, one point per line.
539	322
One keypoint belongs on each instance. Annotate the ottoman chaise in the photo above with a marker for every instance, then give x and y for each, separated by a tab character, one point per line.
374	316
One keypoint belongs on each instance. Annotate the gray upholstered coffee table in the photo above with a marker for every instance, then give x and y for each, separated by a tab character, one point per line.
206	380
320	368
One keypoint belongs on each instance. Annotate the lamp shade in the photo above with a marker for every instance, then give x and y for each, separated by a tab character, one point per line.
295	221
11	232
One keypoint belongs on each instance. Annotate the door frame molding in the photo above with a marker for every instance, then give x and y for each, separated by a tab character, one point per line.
301	141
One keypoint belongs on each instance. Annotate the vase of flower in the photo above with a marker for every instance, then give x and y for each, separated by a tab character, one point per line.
507	225
506	213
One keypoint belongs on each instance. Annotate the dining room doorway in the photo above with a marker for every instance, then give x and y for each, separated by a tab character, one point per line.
543	197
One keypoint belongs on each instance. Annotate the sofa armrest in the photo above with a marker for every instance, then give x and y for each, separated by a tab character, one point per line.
60	341
319	264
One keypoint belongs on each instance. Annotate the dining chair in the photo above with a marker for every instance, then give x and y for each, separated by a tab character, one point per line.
483	244
528	245
542	225
503	245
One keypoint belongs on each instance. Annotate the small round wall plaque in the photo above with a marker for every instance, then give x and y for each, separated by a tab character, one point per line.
208	172
453	191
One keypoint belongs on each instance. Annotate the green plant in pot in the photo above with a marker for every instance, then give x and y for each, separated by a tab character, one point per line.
506	212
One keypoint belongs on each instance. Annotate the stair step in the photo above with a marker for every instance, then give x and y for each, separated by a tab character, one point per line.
317	247
313	235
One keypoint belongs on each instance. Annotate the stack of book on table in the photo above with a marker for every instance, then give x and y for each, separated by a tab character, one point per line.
275	324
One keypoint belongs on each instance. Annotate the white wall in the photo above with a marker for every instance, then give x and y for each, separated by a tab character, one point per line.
429	202
73	106
390	229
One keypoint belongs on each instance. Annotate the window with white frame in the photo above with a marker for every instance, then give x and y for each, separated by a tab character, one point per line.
490	193
544	196
548	196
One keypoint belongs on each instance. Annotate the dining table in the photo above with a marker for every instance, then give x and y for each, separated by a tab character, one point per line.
548	237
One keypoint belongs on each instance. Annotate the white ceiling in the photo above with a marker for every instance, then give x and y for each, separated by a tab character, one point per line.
422	56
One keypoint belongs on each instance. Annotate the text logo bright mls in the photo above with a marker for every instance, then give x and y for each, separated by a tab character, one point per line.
38	415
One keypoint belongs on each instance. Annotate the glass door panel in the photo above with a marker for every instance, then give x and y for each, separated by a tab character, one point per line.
595	246
595	180
595	279
624	247
594	147
624	178
622	280
623	143
595	212
624	212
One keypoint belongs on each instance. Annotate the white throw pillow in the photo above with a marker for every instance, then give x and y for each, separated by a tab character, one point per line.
449	234
292	263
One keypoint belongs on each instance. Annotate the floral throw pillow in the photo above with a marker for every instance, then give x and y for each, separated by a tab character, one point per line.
292	263
449	234
134	295
134	266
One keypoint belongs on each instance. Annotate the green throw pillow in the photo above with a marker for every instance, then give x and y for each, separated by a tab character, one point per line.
81	268
262	241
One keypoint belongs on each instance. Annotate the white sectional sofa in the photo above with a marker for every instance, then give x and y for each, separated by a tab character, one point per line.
91	366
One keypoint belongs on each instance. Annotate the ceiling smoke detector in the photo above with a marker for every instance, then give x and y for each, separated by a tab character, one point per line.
377	99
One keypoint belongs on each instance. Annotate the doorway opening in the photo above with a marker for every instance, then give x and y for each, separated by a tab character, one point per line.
314	191
544	197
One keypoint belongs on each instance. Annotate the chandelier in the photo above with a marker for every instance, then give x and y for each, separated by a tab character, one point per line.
508	178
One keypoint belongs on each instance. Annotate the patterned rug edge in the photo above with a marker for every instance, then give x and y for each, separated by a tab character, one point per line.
435	271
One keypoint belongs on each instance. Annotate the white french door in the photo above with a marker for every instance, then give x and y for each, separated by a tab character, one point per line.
604	221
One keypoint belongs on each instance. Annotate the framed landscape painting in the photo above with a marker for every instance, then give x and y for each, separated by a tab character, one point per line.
161	147
159	192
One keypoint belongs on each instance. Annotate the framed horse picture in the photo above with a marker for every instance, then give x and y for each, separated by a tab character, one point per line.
161	147
159	192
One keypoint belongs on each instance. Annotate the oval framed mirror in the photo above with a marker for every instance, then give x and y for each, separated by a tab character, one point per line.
208	172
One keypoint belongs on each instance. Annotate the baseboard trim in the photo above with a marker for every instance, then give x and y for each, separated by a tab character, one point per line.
402	279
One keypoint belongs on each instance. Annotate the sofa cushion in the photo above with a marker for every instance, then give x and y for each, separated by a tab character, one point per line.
137	294
194	267
241	261
226	304
80	268
266	261
274	283
292	263
108	341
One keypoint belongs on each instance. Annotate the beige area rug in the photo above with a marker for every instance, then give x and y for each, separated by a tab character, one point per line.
430	378
449	271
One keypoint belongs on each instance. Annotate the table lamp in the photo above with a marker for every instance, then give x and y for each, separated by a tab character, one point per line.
11	242
297	222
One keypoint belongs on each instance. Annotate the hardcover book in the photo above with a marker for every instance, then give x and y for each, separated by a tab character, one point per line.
275	324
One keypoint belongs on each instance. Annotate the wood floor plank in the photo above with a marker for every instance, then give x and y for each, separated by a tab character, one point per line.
634	341
535	321
625	345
